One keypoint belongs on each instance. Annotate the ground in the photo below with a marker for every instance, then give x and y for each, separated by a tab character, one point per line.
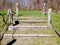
35	40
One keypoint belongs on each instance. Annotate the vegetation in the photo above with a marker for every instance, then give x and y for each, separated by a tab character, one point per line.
24	13
56	21
30	13
39	40
37	5
55	17
3	13
26	5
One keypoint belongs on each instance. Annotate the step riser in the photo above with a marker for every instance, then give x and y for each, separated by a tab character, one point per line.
22	21
32	21
31	18
31	28
33	24
25	40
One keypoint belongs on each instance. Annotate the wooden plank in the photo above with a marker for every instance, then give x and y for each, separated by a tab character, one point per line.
23	27
29	35
31	17
31	26
18	27
33	21
16	9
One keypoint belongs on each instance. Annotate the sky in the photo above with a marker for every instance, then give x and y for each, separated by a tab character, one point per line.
25	2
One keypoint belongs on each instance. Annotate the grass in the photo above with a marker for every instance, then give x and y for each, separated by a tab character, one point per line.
37	40
56	21
1	24
21	13
30	13
55	17
25	13
3	13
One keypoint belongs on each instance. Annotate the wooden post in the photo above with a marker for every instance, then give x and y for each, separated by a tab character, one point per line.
10	16
44	8
16	9
49	15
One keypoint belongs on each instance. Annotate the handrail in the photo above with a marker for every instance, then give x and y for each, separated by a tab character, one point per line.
6	28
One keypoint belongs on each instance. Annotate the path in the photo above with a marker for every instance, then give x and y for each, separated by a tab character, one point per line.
32	31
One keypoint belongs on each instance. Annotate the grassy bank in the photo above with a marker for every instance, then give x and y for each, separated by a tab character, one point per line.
56	21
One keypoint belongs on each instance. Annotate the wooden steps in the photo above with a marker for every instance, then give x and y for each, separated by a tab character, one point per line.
18	27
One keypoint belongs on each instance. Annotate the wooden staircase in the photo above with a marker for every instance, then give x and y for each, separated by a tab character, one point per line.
29	29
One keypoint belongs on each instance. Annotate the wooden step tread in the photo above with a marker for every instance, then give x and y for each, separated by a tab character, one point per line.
30	21
30	26
30	17
28	35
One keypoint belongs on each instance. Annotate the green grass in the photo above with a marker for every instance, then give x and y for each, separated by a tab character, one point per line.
55	17
25	13
30	13
56	21
3	13
38	40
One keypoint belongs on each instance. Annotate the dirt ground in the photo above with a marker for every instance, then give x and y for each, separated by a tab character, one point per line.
33	41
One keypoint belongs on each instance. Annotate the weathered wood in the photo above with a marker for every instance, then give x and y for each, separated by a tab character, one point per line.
49	15
30	18
16	9
29	35
10	16
33	21
44	8
29	27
